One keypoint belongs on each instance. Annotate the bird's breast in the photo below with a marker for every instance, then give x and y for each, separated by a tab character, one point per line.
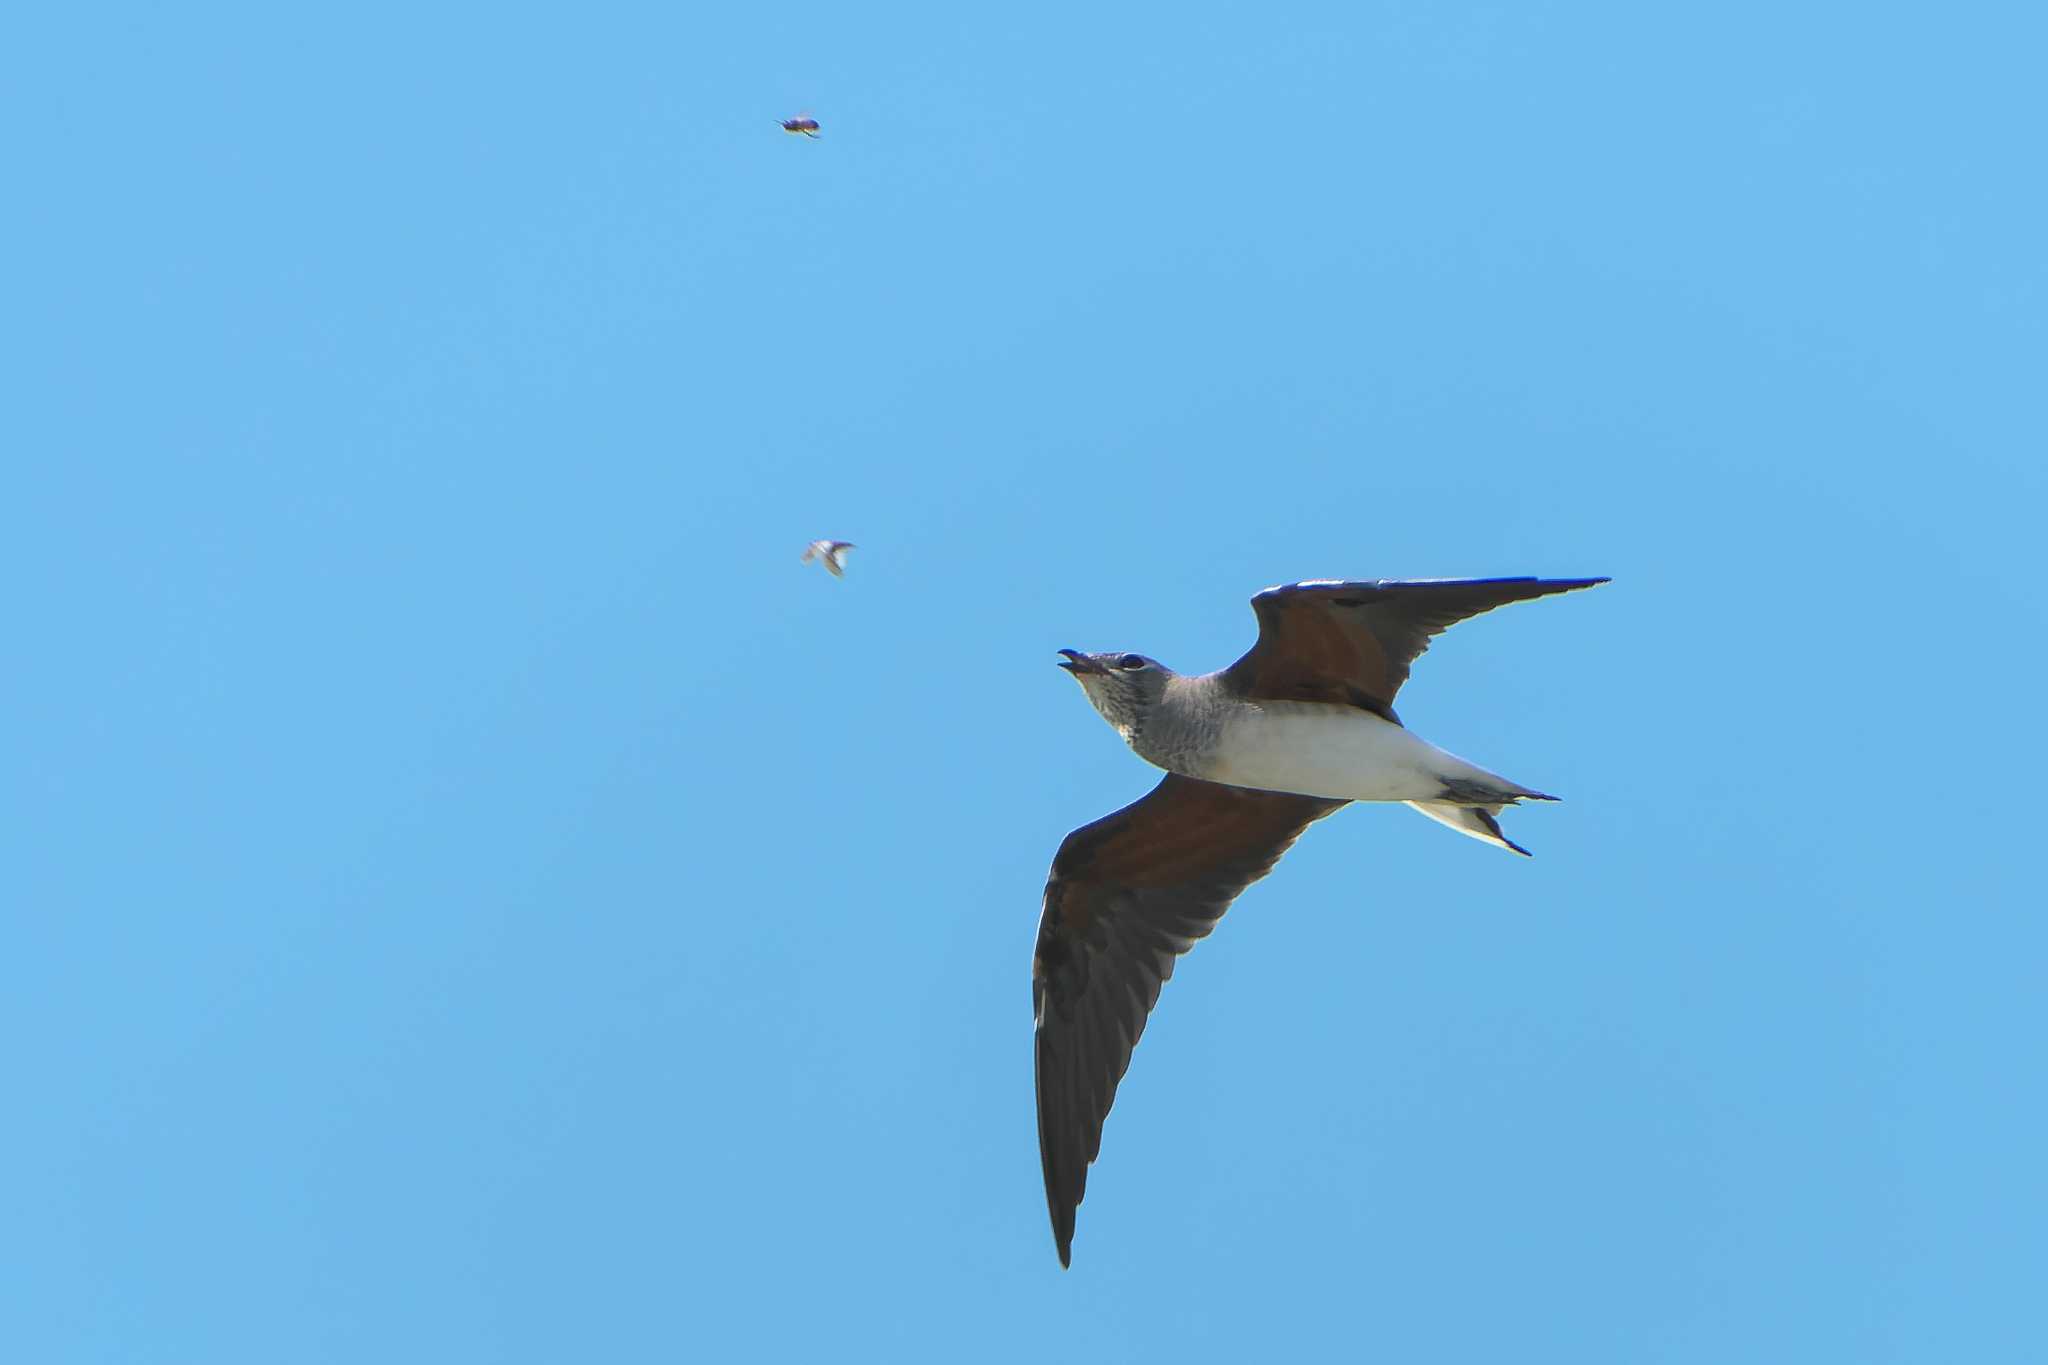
1318	749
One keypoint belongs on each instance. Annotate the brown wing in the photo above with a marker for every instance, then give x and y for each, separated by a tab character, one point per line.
1127	895
1352	643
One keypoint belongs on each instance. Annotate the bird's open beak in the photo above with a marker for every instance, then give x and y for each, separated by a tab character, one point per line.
1078	663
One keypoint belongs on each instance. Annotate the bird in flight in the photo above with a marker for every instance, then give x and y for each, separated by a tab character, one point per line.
802	124
1254	754
830	553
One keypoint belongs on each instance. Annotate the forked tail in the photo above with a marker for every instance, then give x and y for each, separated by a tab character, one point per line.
1477	819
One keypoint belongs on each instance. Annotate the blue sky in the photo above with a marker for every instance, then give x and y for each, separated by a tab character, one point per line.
473	895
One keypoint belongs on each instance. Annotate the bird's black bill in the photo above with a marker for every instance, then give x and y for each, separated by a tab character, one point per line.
1078	663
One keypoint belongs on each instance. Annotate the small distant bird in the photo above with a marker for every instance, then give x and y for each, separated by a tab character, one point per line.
830	553
802	123
1254	754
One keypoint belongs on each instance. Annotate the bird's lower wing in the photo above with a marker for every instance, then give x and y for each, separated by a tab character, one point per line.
1128	894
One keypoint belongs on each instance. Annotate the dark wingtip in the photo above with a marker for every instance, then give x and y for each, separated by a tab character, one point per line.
1063	1238
1518	848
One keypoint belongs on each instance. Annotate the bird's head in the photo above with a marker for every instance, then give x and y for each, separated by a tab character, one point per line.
1123	687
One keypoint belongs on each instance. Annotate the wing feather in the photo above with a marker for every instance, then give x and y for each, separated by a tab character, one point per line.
1127	896
1353	642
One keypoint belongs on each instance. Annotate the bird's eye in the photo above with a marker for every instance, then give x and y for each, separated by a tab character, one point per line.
1131	661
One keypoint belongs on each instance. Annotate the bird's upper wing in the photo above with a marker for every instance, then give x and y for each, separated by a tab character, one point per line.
1352	643
1127	895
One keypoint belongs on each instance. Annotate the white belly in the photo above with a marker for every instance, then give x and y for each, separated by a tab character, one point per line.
1338	752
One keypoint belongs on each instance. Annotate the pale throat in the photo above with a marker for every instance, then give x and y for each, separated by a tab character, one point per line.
1121	720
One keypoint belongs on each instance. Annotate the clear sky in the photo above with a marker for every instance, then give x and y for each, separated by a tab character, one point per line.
470	894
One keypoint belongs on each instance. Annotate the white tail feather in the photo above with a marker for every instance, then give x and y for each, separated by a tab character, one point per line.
1475	821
